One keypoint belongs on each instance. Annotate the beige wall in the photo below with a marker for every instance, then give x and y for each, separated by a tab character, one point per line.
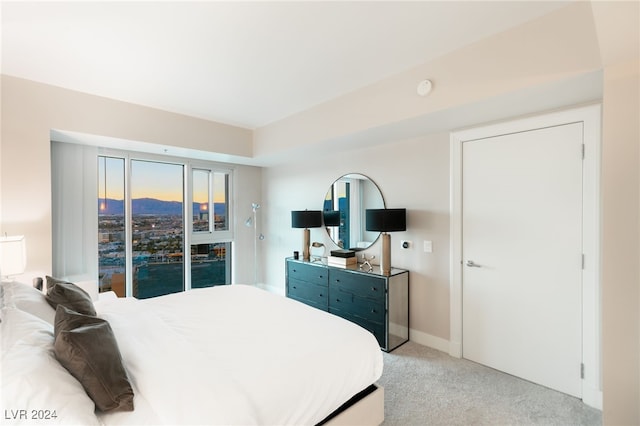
621	244
618	30
541	52
413	174
467	82
31	110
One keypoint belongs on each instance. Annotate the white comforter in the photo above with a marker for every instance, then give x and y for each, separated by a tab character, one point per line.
237	355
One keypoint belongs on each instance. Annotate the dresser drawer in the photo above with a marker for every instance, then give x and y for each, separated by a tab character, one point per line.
370	309
321	306
309	273
311	293
375	328
357	284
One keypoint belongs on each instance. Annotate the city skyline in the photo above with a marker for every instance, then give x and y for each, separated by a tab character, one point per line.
146	205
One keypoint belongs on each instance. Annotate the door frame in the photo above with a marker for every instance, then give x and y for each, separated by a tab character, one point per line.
590	116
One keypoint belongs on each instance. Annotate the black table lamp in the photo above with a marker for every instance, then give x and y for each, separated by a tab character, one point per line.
306	219
331	217
386	220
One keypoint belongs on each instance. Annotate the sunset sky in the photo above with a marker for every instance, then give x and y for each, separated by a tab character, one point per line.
162	181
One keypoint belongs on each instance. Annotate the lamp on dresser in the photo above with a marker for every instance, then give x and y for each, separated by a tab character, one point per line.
306	219
386	220
331	218
13	256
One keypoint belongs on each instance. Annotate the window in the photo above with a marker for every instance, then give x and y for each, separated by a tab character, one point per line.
210	224
210	202
143	233
339	198
111	225
201	192
210	264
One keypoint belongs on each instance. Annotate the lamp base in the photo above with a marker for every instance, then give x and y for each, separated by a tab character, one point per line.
385	258
306	240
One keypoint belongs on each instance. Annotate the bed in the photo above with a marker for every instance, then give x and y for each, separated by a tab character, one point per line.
232	355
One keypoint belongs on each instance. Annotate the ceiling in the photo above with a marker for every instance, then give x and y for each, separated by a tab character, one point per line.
242	63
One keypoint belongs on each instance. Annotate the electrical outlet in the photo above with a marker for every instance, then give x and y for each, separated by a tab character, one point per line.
428	246
405	244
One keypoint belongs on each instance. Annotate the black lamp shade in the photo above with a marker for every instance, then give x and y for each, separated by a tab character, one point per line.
331	217
386	220
306	219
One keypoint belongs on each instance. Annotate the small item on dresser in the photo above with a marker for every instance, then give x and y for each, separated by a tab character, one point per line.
344	253
342	261
296	255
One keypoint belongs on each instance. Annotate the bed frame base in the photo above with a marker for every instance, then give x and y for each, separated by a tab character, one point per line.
366	408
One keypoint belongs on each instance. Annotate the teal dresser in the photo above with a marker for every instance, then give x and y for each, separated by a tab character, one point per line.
376	302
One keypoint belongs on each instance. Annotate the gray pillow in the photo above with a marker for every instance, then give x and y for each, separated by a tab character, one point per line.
86	346
67	294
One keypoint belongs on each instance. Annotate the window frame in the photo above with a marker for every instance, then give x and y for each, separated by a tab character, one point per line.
213	235
190	237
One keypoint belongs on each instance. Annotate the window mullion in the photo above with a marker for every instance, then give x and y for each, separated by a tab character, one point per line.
212	205
128	228
187	219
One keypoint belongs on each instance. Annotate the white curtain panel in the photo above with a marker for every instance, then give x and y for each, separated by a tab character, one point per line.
74	192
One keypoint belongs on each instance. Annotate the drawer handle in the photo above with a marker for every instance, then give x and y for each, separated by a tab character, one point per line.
295	288
337	300
374	289
373	311
321	295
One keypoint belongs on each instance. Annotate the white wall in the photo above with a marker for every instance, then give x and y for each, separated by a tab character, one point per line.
247	190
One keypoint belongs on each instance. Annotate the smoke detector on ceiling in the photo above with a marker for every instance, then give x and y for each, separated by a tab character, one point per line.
424	87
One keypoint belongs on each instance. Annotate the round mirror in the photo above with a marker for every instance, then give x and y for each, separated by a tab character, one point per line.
344	209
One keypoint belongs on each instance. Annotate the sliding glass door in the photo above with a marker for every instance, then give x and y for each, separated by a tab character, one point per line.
157	228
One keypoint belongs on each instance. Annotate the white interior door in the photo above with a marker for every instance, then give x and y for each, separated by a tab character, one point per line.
522	254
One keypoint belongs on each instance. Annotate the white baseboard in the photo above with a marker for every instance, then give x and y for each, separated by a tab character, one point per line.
271	289
591	396
425	339
455	349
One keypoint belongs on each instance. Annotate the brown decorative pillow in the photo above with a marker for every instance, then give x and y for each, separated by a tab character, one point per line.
69	295
86	346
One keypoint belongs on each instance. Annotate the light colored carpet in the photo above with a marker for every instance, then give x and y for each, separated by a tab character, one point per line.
424	386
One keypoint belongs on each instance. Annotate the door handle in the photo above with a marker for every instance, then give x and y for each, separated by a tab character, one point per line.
472	264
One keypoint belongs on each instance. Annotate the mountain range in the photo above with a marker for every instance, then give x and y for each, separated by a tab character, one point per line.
152	206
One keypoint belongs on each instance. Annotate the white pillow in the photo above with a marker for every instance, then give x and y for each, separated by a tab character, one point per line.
33	380
28	299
